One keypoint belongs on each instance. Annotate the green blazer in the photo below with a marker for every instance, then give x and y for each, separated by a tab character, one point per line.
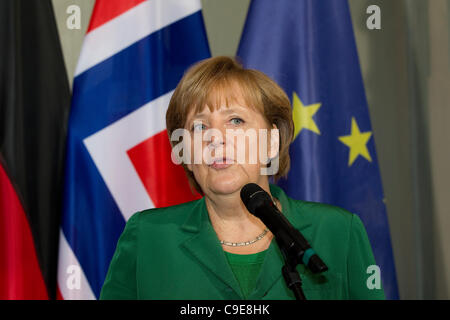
174	253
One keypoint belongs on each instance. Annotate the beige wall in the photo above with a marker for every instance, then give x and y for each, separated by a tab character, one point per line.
405	67
383	69
438	102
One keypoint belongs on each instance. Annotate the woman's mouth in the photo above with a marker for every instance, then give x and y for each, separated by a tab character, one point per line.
221	163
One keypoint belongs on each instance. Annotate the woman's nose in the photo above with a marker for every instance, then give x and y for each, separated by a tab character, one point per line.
215	137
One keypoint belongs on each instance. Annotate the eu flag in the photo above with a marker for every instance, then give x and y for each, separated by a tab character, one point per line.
308	48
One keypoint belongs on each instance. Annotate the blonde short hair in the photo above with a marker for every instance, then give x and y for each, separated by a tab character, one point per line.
209	81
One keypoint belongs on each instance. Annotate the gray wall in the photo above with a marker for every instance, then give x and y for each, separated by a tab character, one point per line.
406	74
405	67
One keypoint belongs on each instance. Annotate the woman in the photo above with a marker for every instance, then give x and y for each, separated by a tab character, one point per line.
213	248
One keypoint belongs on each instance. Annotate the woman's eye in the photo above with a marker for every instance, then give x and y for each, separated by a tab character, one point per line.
237	121
198	127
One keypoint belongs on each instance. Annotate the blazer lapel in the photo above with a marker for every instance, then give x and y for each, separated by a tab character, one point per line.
205	247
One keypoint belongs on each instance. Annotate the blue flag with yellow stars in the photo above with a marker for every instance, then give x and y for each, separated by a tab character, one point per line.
308	48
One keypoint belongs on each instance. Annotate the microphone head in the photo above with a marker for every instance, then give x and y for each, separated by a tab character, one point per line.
253	196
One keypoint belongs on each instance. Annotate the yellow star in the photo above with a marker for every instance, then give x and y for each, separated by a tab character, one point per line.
357	141
302	116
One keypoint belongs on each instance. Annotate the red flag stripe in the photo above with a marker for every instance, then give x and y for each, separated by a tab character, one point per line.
161	177
106	10
20	274
59	295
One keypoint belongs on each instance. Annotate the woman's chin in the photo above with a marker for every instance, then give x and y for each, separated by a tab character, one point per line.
226	183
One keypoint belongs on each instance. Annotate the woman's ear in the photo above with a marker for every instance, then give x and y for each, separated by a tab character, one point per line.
274	142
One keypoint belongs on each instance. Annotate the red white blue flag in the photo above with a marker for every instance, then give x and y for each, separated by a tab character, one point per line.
118	152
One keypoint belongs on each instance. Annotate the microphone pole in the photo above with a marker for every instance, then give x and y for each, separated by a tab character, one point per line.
292	279
289	270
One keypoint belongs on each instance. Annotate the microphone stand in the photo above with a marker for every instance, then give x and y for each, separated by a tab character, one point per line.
291	275
294	255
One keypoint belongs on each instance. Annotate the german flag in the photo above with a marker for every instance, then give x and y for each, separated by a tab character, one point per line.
34	106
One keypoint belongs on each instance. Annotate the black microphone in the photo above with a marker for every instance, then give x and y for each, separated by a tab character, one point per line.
259	203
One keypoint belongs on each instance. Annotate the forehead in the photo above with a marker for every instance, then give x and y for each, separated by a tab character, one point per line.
226	97
222	110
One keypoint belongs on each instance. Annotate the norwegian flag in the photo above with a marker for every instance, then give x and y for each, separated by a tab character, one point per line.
118	152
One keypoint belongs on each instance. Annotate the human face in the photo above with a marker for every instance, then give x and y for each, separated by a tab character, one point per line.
233	151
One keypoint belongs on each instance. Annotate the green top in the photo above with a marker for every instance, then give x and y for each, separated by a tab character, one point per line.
246	269
174	253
